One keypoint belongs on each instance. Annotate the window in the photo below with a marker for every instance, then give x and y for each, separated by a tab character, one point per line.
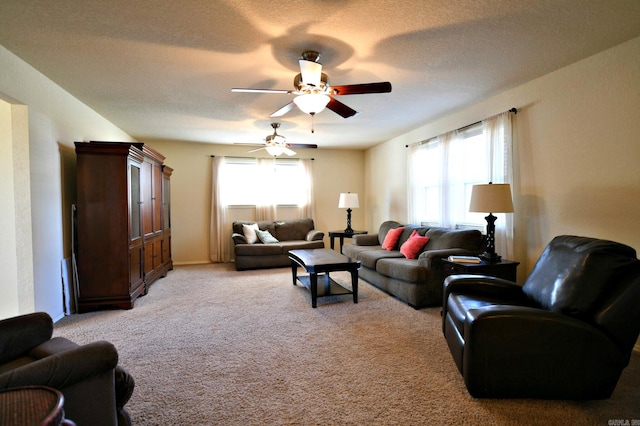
253	182
443	170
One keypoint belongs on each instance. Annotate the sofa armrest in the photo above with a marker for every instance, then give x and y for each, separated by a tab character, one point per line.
65	368
518	348
238	238
481	285
366	240
314	235
22	333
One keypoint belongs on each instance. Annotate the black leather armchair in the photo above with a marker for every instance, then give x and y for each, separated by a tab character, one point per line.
567	333
95	388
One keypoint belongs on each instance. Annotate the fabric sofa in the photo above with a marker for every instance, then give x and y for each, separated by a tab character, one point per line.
94	386
289	234
567	333
418	282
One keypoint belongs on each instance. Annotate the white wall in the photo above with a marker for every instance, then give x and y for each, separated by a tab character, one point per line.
56	119
335	171
577	154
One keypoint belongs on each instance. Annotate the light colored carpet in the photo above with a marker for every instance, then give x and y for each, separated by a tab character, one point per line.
212	346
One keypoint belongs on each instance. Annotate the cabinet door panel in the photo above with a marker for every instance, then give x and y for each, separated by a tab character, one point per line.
136	273
157	198
146	184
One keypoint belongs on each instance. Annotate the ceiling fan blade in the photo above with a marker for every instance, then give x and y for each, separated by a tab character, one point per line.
341	109
282	111
311	72
258	149
288	151
301	145
243	90
361	89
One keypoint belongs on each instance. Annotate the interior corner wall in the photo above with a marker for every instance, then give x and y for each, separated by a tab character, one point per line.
334	171
15	211
576	154
55	120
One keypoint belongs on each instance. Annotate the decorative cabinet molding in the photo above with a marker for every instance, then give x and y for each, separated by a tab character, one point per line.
123	244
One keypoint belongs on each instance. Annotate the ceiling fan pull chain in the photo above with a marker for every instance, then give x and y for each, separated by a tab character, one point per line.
312	129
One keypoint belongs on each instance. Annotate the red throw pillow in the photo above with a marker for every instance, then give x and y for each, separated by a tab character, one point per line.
414	245
391	239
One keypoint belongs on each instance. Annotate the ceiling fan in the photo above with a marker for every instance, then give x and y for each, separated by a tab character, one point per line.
276	144
314	93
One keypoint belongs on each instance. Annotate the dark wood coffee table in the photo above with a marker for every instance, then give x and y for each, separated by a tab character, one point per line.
322	262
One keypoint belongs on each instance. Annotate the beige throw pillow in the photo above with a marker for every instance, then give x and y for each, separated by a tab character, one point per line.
249	232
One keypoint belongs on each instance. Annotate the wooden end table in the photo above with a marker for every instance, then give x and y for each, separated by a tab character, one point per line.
31	405
505	269
342	235
321	262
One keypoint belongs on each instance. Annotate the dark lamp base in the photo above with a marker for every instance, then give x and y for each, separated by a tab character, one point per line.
348	231
490	257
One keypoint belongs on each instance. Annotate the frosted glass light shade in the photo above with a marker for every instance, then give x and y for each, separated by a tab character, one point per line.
311	103
274	150
348	201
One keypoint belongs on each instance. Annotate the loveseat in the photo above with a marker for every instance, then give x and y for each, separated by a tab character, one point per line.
417	281
252	253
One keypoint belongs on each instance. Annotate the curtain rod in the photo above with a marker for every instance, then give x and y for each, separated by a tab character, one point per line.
254	158
513	110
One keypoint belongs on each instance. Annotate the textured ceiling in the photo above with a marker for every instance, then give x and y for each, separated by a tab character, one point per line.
164	69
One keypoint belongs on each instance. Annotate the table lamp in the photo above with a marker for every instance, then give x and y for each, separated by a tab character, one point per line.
348	201
491	198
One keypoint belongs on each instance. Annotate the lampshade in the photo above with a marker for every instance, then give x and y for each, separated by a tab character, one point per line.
348	201
311	103
274	150
491	198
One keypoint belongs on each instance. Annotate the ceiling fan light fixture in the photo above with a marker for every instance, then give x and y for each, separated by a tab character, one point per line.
311	103
274	150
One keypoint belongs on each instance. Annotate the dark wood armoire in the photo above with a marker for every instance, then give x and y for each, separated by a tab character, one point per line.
123	226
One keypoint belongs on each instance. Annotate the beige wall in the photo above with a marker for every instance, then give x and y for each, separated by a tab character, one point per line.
334	171
577	154
15	209
55	120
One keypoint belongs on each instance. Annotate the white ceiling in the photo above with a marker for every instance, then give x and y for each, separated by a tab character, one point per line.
164	69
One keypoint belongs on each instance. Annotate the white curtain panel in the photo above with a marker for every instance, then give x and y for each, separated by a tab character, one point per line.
308	207
219	230
498	131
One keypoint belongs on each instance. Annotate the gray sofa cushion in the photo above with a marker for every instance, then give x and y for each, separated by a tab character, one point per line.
443	238
403	269
293	229
258	249
369	258
384	228
300	244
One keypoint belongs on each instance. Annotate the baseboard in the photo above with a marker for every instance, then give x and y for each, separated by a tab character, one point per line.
196	262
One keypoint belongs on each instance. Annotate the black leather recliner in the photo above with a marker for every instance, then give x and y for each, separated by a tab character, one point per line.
567	333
